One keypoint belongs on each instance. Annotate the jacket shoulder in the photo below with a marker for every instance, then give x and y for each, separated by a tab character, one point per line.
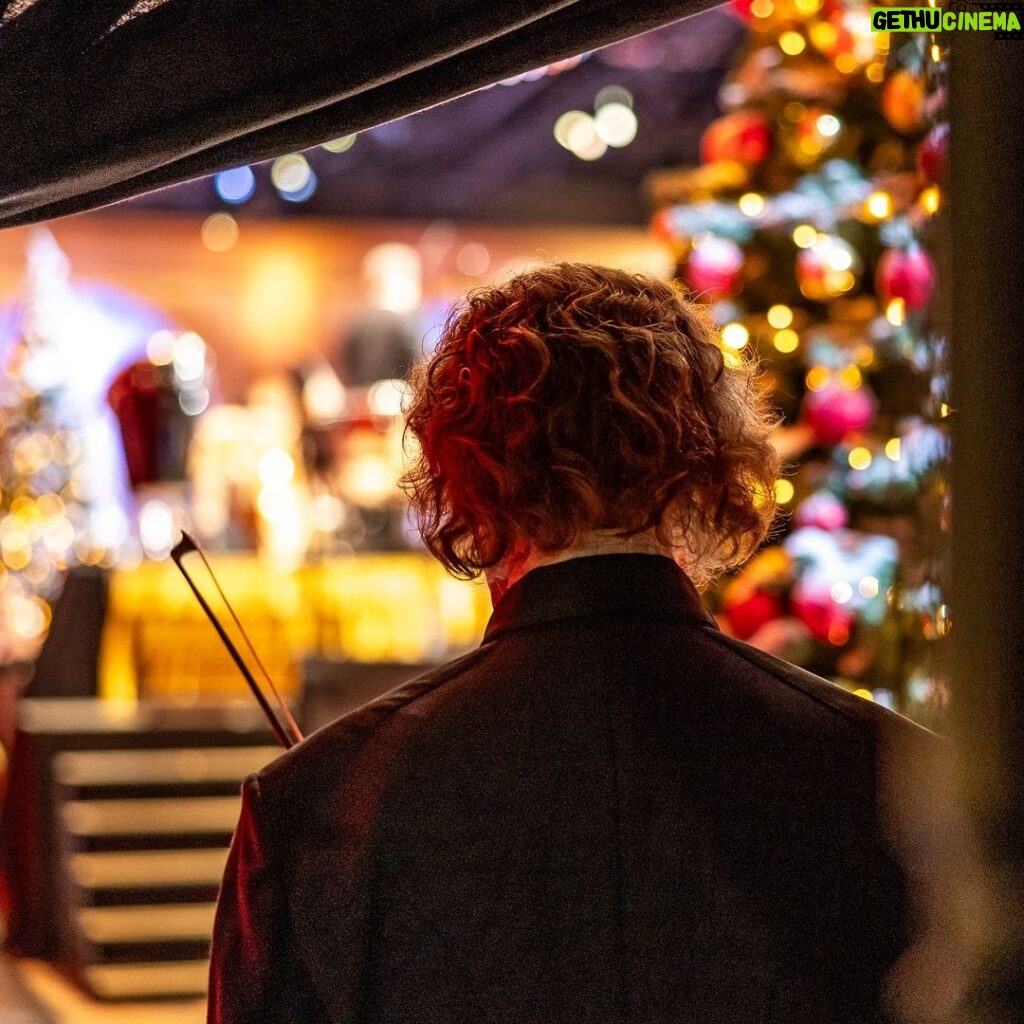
320	757
863	715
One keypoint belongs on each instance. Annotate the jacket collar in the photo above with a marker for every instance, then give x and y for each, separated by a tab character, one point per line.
621	586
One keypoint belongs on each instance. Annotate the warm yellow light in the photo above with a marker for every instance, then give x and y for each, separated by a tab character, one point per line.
828	125
838	282
339	145
892	449
846	63
896	312
792	43
868	587
864	354
945	410
616	124
862	692
762	8
882	42
931	199
841	592
804	236
732	359
290	173
817	378
824	35
859	458
751	204
879	205
786	340
780	316
838	257
807	6
810	146
875	72
276	468
850	378
936	53
735	336
794	110
219	232
784	491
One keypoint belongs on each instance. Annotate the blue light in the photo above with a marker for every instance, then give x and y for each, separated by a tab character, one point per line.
302	194
236	185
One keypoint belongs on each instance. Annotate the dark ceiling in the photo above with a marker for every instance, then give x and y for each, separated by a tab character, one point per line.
492	155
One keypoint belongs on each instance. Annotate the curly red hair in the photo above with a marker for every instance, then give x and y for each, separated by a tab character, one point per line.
575	398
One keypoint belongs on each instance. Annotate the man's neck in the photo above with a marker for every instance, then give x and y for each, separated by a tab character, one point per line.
524	559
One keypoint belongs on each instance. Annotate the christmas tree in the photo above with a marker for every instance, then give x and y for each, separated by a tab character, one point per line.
812	227
44	492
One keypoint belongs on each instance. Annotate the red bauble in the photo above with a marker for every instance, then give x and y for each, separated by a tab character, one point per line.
933	153
835	412
663	225
743	136
906	274
746	617
825	619
714	269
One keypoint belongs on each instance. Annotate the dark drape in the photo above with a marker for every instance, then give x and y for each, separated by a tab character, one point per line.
104	100
987	204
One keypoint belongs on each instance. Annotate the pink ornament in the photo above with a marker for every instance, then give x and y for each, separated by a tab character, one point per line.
714	268
835	412
822	510
906	274
933	153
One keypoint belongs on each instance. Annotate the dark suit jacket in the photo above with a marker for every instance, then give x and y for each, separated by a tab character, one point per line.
609	812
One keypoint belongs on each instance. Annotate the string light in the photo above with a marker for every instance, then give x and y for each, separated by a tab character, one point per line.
850	378
235	185
735	336
616	124
817	378
931	199
752	204
219	232
340	145
804	236
784	491
786	340
878	205
792	43
860	458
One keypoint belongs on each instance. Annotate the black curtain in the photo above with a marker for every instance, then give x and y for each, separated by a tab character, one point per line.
987	205
108	99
